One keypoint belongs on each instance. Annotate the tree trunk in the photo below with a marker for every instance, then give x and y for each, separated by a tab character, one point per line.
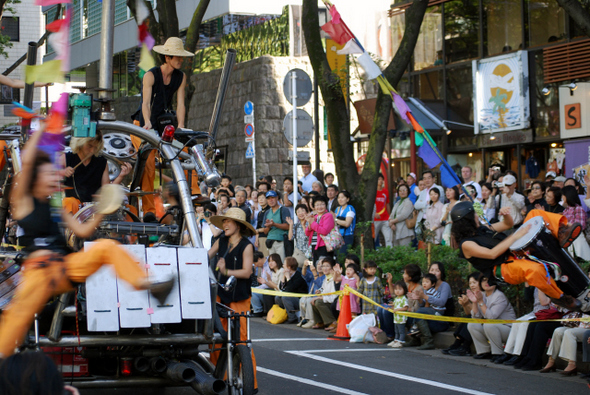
393	73
2	3
577	13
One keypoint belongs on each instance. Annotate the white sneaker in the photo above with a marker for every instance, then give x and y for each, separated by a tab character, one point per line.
309	324
398	345
393	344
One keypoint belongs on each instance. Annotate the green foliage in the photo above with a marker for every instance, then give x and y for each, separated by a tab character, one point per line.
269	38
5	40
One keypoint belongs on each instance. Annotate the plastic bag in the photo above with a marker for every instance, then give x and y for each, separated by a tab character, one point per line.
277	315
358	328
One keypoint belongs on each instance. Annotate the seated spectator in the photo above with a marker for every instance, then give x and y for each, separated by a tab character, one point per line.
438	306
32	373
564	344
275	264
411	276
292	281
491	303
538	333
463	341
313	275
261	271
322	314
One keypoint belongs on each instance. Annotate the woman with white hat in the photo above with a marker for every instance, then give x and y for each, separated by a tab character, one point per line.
159	86
235	257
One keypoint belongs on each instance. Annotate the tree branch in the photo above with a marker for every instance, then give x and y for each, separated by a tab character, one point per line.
577	13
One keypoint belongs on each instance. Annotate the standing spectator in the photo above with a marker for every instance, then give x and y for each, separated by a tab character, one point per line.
424	197
290	197
352	279
319	225
433	215
249	188
332	194
575	213
302	250
209	232
488	200
263	207
538	200
292	282
381	217
345	219
371	287
241	201
553	198
223	203
452	195
400	303
275	225
317	187
273	185
401	211
226	186
467	173
263	187
491	303
512	199
307	179
329	179
559	182
414	189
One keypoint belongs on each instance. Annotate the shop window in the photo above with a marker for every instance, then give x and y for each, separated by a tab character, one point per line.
460	94
428	86
461	30
502	26
10	27
546	22
547	105
428	50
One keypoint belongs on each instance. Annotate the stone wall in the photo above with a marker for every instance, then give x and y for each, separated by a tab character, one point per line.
260	81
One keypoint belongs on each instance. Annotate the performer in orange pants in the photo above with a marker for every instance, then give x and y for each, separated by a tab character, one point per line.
52	274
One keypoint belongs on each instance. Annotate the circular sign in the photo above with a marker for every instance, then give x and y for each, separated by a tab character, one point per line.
249	130
304	128
248	107
302	85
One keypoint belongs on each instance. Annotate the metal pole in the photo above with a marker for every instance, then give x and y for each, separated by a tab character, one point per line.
28	99
316	120
294	102
254	157
106	47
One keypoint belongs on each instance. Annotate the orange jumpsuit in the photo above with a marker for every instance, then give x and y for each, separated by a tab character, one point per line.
53	274
518	271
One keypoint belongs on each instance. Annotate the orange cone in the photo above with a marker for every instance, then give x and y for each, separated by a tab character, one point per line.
343	319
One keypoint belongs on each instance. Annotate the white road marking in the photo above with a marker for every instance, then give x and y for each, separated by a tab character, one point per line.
309	382
346	350
298	339
386	373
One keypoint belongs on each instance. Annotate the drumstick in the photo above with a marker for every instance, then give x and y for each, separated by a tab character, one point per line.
82	161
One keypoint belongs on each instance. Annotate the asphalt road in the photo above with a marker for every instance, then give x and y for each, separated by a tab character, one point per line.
298	361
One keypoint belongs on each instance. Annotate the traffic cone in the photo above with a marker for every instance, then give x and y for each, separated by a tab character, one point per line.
343	319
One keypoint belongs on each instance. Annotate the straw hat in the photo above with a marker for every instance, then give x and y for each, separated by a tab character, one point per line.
235	214
172	47
110	199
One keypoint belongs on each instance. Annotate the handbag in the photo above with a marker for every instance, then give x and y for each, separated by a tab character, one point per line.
411	221
276	315
333	240
571	324
548	314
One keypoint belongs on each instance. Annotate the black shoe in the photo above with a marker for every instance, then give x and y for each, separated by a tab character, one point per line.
161	290
520	364
150	217
513	361
257	315
531	367
293	321
502	358
485	355
460	352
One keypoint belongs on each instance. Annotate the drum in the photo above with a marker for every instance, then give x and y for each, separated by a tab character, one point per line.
540	243
10	278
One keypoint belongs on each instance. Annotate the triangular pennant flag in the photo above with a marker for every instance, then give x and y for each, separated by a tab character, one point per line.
350	48
51	2
61	43
448	177
415	124
146	61
50	71
141	12
428	155
337	32
418	139
57	115
373	71
335	15
402	107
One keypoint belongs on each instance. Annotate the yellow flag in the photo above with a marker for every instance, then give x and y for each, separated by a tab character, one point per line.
49	71
146	61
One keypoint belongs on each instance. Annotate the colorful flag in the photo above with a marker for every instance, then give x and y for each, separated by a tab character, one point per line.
146	61
60	41
50	71
350	48
57	115
448	177
335	15
428	155
141	12
338	32
51	2
402	107
373	71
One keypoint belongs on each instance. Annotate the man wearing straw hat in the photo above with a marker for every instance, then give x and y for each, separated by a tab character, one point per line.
159	86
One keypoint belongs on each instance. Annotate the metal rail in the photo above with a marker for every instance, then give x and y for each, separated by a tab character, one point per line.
131	340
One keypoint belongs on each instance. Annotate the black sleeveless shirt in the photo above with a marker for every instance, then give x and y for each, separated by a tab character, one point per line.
162	95
487	238
41	232
233	261
86	179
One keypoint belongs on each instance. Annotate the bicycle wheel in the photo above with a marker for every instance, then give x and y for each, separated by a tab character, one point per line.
243	373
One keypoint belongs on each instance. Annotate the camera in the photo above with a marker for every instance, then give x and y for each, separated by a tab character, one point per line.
497	184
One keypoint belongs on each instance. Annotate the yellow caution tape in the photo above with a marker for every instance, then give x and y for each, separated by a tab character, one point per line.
18	248
427	317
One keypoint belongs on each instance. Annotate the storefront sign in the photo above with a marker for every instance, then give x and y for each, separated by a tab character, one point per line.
573	111
506	138
501	93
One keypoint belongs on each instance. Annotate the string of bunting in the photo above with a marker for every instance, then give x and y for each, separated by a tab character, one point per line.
428	317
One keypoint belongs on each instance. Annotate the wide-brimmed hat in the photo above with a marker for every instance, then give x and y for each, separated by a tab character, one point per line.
235	214
172	47
110	199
